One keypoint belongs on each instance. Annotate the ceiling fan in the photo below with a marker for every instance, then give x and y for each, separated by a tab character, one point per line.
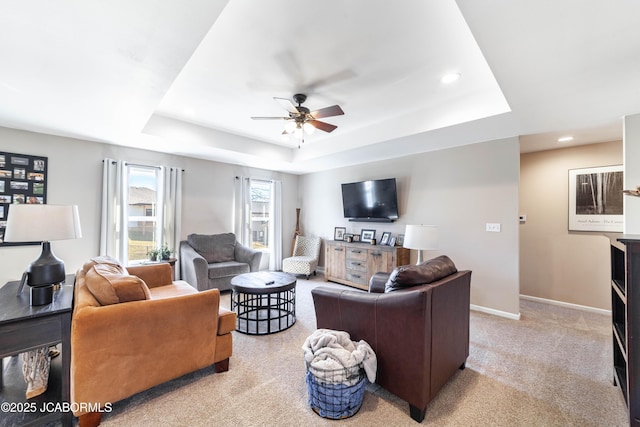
301	120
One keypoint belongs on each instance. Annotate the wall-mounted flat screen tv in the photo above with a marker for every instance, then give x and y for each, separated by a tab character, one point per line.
374	200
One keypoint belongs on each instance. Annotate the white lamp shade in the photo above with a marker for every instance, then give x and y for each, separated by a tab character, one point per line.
36	223
422	237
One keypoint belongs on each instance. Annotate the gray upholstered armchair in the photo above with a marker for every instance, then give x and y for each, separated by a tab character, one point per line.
211	261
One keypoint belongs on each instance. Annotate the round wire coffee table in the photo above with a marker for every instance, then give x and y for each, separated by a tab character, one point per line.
264	302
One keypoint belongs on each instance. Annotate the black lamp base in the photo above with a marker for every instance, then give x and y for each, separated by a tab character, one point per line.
41	295
42	274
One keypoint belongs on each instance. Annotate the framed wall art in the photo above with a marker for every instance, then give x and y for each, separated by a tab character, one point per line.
23	179
595	199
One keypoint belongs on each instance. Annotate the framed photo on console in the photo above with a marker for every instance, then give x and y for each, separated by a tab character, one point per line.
367	235
384	240
338	233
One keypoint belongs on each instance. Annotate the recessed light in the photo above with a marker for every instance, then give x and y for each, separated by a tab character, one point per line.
450	78
565	139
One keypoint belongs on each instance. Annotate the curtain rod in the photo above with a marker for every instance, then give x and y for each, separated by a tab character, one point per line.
144	166
113	162
258	179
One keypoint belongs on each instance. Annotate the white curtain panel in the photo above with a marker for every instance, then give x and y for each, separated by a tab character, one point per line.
112	241
275	227
172	209
242	210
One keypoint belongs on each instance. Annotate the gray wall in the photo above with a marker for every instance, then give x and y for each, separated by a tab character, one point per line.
75	177
459	190
556	264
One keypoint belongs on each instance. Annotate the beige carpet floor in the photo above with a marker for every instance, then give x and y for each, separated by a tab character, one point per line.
551	368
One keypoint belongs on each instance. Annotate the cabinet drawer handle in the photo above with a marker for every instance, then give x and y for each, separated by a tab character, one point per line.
356	252
376	253
356	276
338	249
356	263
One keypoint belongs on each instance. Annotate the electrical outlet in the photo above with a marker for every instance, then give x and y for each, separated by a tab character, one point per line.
493	227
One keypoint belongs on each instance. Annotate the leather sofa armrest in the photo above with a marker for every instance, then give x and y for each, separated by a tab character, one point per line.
153	274
226	321
377	282
194	269
250	256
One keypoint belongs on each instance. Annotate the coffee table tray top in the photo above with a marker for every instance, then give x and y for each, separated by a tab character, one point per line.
264	302
263	282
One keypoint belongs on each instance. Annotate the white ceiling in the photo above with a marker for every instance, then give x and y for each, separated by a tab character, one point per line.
185	77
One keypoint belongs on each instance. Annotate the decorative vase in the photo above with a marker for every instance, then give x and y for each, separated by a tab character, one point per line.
35	369
297	232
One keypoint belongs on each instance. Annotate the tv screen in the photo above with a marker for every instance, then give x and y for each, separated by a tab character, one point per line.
370	200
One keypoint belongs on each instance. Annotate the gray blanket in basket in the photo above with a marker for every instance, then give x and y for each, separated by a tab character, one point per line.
327	350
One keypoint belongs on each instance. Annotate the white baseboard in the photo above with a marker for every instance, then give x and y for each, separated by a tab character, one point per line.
495	312
566	304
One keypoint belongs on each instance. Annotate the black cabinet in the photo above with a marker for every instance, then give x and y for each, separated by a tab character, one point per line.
22	328
625	320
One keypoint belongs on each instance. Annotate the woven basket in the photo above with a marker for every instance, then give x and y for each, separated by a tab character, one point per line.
335	394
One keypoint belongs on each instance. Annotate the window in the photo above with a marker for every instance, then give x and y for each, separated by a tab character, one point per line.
141	210
257	218
144	226
260	214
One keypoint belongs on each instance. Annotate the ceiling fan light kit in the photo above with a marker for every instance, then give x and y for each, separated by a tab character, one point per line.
301	120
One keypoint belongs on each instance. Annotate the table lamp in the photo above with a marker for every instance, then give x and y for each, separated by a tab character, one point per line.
421	237
42	223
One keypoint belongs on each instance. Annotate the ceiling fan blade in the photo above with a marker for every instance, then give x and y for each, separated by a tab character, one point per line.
287	105
322	125
270	118
334	110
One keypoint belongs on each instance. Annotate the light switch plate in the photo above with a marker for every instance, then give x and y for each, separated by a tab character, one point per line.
493	227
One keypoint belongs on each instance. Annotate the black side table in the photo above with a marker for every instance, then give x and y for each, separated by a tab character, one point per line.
23	328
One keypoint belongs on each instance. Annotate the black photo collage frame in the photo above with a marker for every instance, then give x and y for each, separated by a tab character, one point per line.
23	179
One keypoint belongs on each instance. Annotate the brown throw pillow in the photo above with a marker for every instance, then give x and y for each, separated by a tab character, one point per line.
214	248
413	275
109	285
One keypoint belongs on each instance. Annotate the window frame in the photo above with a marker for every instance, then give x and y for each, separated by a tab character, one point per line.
128	218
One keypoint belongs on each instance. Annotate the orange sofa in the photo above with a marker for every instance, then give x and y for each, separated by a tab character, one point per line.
134	328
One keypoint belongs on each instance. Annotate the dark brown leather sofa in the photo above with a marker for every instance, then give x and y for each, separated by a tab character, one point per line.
420	334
